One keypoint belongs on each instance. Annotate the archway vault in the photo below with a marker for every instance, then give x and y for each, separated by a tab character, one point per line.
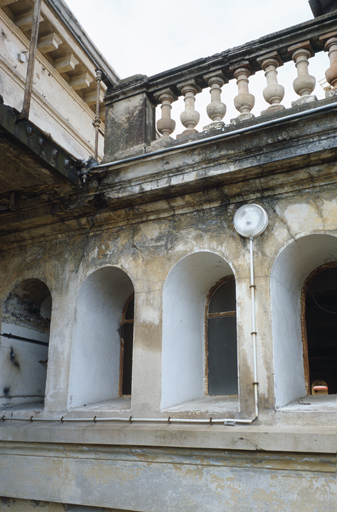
290	270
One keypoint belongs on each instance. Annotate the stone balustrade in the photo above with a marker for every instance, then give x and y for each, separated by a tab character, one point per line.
131	105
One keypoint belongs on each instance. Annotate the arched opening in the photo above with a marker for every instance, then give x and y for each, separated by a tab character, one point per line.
96	370
186	290
221	339
319	305
291	268
25	328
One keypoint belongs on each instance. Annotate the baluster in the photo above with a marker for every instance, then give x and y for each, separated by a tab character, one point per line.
165	125
330	46
190	117
304	84
216	110
274	92
244	101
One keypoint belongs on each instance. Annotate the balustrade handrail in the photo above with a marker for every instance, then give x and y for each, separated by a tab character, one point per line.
278	41
297	43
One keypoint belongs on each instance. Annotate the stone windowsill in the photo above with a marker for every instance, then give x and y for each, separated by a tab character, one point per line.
208	405
318	403
118	404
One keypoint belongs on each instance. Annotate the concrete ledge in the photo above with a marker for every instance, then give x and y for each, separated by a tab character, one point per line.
292	438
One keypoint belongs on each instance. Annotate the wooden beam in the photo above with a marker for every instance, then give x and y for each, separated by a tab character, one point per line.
65	63
49	43
31	59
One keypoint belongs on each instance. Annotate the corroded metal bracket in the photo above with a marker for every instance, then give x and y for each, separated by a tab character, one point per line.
39	144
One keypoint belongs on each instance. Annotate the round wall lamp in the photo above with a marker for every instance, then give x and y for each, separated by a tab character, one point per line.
250	220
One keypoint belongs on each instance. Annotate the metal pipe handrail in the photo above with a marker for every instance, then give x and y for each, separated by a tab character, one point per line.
130	419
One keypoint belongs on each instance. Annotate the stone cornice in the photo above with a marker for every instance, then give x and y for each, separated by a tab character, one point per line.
282	159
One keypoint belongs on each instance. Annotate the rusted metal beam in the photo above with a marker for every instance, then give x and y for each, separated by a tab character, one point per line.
38	145
97	120
21	396
21	338
31	61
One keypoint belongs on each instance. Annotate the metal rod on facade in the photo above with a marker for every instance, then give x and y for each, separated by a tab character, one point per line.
21	338
97	120
31	61
21	396
229	422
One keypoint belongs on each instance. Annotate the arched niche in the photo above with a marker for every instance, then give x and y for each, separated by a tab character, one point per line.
95	370
290	270
183	353
25	327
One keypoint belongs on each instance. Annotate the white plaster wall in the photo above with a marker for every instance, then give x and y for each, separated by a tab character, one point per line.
95	360
28	375
23	365
291	268
185	294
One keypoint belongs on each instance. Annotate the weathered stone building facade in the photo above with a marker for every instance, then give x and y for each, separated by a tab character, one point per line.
135	373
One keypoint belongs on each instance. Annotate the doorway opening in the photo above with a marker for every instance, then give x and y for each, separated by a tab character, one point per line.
319	326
